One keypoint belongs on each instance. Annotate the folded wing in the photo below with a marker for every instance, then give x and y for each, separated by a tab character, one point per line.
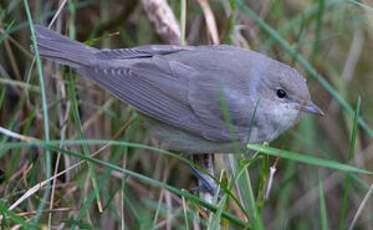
156	82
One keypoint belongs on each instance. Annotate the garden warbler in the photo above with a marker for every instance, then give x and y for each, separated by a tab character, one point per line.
195	99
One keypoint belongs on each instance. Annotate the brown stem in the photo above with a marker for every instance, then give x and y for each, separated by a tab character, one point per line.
162	17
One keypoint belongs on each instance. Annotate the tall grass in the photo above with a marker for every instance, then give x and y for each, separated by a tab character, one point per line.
322	166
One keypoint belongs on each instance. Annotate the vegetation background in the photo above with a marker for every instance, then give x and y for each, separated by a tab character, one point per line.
329	41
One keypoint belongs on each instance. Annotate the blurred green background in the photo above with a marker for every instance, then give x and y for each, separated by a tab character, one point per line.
334	38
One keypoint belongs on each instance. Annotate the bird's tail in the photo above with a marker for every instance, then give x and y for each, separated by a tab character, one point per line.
62	49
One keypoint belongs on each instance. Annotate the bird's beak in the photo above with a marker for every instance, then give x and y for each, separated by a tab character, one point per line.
311	108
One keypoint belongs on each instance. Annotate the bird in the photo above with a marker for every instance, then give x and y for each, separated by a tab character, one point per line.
194	99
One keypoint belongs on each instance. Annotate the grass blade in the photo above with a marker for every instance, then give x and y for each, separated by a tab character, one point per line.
324	219
13	216
185	214
350	157
53	146
306	159
79	128
45	112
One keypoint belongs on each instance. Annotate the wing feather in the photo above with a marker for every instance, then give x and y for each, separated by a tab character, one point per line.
178	94
164	100
178	85
141	51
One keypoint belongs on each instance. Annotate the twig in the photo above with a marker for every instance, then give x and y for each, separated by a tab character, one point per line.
161	15
362	205
9	133
12	59
210	21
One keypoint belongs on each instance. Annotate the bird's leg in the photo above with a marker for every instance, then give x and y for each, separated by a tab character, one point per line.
206	184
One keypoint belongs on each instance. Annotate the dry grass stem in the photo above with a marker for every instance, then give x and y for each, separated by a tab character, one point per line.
164	20
361	207
210	21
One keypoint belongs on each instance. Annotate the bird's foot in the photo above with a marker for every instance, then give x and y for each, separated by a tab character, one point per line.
206	183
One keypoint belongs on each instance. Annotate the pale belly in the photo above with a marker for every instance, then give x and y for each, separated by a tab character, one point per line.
177	140
174	139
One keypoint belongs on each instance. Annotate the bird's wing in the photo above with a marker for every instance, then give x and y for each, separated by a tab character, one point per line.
169	83
152	87
174	93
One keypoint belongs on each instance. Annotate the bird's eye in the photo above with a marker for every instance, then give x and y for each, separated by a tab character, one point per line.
281	93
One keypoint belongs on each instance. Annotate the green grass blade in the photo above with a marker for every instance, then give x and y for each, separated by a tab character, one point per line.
306	159
294	22
318	35
9	145
223	201
79	128
268	150
13	165
350	157
4	222
13	216
257	220
6	32
45	112
232	23
324	219
195	199
182	21
263	183
101	182
52	145
7	81
361	5
93	41
2	96
228	121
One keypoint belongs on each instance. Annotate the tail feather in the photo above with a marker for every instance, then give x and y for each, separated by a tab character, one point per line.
62	49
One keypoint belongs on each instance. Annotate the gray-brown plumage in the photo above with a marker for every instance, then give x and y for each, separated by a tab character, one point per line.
179	89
